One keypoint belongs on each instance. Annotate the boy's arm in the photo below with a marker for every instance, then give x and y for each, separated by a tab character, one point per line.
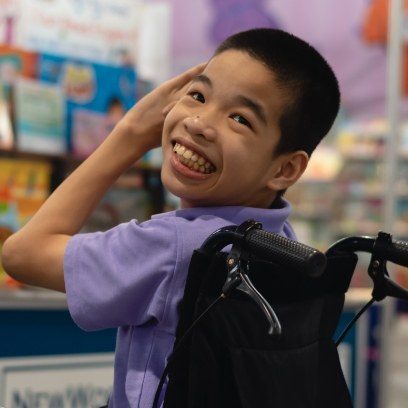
34	255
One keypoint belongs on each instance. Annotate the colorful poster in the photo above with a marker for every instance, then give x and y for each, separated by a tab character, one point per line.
15	62
99	88
89	130
40	112
104	31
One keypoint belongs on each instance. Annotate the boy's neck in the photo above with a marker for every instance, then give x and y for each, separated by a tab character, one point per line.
274	204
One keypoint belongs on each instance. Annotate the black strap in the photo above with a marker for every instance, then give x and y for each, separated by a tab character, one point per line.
179	347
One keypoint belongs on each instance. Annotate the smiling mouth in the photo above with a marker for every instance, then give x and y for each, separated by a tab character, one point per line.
193	160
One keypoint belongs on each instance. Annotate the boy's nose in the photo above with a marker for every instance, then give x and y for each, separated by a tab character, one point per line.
198	126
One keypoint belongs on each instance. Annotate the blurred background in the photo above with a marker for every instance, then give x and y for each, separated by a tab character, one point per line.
70	69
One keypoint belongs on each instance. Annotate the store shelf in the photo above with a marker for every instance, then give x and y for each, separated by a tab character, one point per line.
32	299
313	215
371	229
371	158
15	153
69	159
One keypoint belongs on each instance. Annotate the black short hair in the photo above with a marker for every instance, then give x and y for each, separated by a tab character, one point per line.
313	91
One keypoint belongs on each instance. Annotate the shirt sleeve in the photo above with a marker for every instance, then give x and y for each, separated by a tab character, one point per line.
122	276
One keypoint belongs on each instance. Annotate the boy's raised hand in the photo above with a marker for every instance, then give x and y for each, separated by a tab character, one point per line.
145	120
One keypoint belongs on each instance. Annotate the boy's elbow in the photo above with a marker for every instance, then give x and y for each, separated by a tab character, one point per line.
35	260
11	258
17	257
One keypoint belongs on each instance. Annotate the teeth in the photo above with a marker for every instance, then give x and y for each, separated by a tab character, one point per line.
192	159
187	154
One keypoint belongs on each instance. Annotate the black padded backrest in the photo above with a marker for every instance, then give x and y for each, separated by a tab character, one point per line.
231	361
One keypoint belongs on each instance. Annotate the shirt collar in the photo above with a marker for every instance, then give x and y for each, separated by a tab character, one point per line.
271	219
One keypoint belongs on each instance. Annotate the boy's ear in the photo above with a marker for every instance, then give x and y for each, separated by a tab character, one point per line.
290	166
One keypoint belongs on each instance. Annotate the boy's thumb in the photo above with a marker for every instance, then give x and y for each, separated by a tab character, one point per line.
168	108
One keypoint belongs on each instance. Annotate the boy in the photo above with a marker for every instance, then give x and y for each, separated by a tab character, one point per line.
237	132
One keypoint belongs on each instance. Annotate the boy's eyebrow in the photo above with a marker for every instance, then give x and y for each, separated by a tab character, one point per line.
239	99
202	78
255	107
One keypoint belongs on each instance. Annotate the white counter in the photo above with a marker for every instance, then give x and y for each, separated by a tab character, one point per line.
49	299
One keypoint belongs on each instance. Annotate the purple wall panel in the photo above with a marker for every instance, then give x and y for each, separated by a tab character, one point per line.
332	26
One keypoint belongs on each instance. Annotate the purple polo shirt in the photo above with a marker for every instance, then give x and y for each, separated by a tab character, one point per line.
132	277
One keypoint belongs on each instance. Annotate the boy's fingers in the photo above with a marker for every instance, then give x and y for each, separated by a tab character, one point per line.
168	108
188	75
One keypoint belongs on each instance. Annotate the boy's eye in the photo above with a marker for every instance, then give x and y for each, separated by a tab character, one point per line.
240	119
197	96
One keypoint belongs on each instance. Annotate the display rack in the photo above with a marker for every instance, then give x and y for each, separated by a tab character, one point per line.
369	193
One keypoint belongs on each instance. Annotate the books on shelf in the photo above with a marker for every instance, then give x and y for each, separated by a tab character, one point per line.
24	186
119	205
153	158
6	129
324	165
39	115
8	223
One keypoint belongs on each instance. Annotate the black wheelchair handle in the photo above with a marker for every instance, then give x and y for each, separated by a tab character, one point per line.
293	254
395	251
398	253
271	247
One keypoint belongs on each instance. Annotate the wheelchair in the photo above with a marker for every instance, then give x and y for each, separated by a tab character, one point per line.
257	321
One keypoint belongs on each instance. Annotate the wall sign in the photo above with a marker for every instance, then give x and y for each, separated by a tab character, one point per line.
104	31
62	381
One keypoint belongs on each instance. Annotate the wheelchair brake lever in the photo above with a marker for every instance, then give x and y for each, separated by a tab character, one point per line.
239	280
247	287
395	290
383	285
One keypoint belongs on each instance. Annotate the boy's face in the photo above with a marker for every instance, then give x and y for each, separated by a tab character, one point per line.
219	139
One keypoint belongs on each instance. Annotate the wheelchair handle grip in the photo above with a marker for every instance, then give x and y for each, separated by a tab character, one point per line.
398	253
395	251
276	248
